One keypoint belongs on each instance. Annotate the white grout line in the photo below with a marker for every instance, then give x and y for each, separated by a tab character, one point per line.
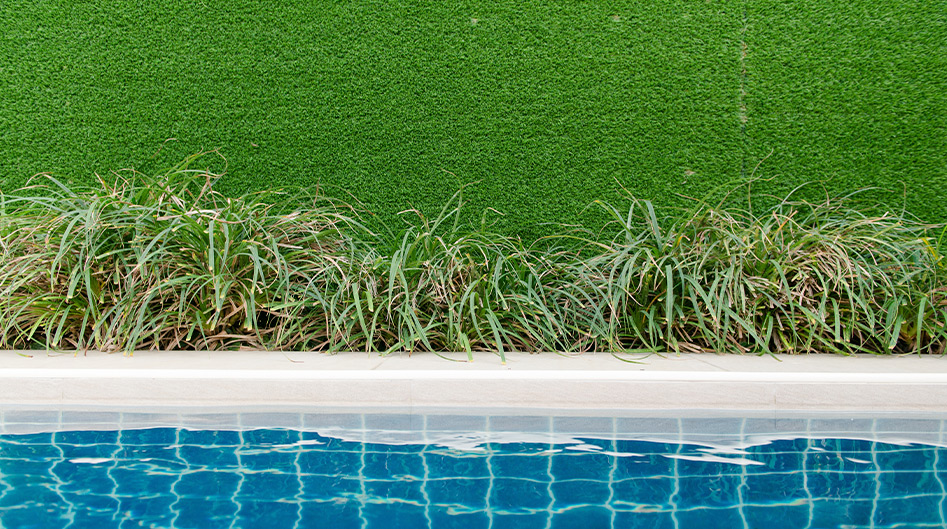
641	376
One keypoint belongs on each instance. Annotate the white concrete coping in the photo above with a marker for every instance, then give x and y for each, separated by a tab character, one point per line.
527	381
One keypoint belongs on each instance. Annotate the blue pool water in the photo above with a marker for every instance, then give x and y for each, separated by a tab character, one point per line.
274	478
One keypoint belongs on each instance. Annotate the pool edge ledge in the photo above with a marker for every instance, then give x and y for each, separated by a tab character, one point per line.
601	382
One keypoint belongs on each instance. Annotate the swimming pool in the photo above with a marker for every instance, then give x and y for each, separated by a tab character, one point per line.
317	469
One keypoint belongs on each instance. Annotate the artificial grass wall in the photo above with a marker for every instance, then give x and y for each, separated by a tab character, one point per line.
549	105
853	92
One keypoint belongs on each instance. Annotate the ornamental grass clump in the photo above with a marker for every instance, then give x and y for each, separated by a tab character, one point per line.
799	278
436	285
167	262
159	263
450	289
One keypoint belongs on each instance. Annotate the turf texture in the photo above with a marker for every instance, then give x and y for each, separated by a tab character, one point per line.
546	105
850	94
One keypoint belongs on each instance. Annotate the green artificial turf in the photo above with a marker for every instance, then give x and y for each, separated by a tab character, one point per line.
852	93
549	105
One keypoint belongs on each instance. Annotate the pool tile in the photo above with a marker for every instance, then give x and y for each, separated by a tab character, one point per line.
915	459
920	510
208	484
330	462
642	447
97	451
826	461
265	437
454	464
338	489
706	426
757	425
786	425
201	513
341	514
445	518
393	422
777	516
538	520
535	465
648	466
150	420
842	485
203	437
97	508
23	429
41	518
646	520
583	425
395	514
26	450
267	486
704	464
210	421
29	494
34	475
346	421
725	518
835	513
837	426
394	443
148	436
271	420
262	514
148	456
764	488
502	423
146	511
456	423
29	438
579	492
591	445
86	417
668	428
711	491
31	417
539	446
652	493
209	456
582	466
406	491
903	425
519	495
86	478
843	444
264	460
85	437
144	479
461	493
774	462
894	484
387	466
582	518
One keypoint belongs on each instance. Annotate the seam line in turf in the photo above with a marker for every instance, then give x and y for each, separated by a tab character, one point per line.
742	94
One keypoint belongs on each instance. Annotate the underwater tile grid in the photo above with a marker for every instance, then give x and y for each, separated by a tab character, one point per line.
128	469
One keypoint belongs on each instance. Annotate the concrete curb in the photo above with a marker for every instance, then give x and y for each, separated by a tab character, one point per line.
544	381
